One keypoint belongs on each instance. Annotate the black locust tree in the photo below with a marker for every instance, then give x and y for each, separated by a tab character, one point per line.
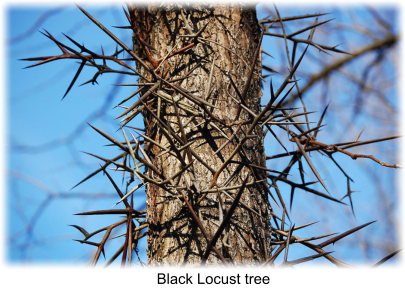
200	155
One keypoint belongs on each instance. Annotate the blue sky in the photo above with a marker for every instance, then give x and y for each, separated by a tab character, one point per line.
44	159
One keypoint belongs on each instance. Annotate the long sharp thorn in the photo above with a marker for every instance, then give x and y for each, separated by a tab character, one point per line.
313	26
265	52
303	187
90	243
111	139
269	69
126	14
102	51
292	196
310	130
320	120
358	137
386	258
91	175
245	90
301	226
340	236
81	229
296	65
310	164
340	168
226	220
288	243
122	27
118	41
294	52
282	221
144	96
278	140
82	48
301	170
305	259
273	98
74	78
111	212
116	187
237	90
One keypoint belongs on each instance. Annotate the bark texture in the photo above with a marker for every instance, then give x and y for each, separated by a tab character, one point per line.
231	37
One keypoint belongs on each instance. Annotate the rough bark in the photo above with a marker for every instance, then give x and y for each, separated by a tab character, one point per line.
173	237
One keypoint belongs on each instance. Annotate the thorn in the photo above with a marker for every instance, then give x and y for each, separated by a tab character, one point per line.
81	229
357	138
386	258
75	78
339	237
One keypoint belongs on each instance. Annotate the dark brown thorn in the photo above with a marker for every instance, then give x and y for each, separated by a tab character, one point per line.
313	26
354	144
386	258
104	61
113	212
288	243
294	52
305	259
265	52
280	197
111	139
130	234
102	243
310	130
282	221
301	169
197	220
301	226
272	98
320	119
136	104
349	195
275	136
303	187
281	101
99	170
310	164
340	236
127	15
82	48
269	69
119	42
115	186
78	54
247	85
340	168
126	249
225	222
274	257
122	27
53	39
292	196
74	78
290	18
262	168
92	244
81	229
115	256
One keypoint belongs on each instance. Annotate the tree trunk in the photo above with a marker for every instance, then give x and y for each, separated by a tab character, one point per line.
231	39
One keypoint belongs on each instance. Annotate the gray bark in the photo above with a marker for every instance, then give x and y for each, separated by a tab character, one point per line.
173	237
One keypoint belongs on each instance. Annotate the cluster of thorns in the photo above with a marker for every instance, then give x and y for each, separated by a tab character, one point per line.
180	146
